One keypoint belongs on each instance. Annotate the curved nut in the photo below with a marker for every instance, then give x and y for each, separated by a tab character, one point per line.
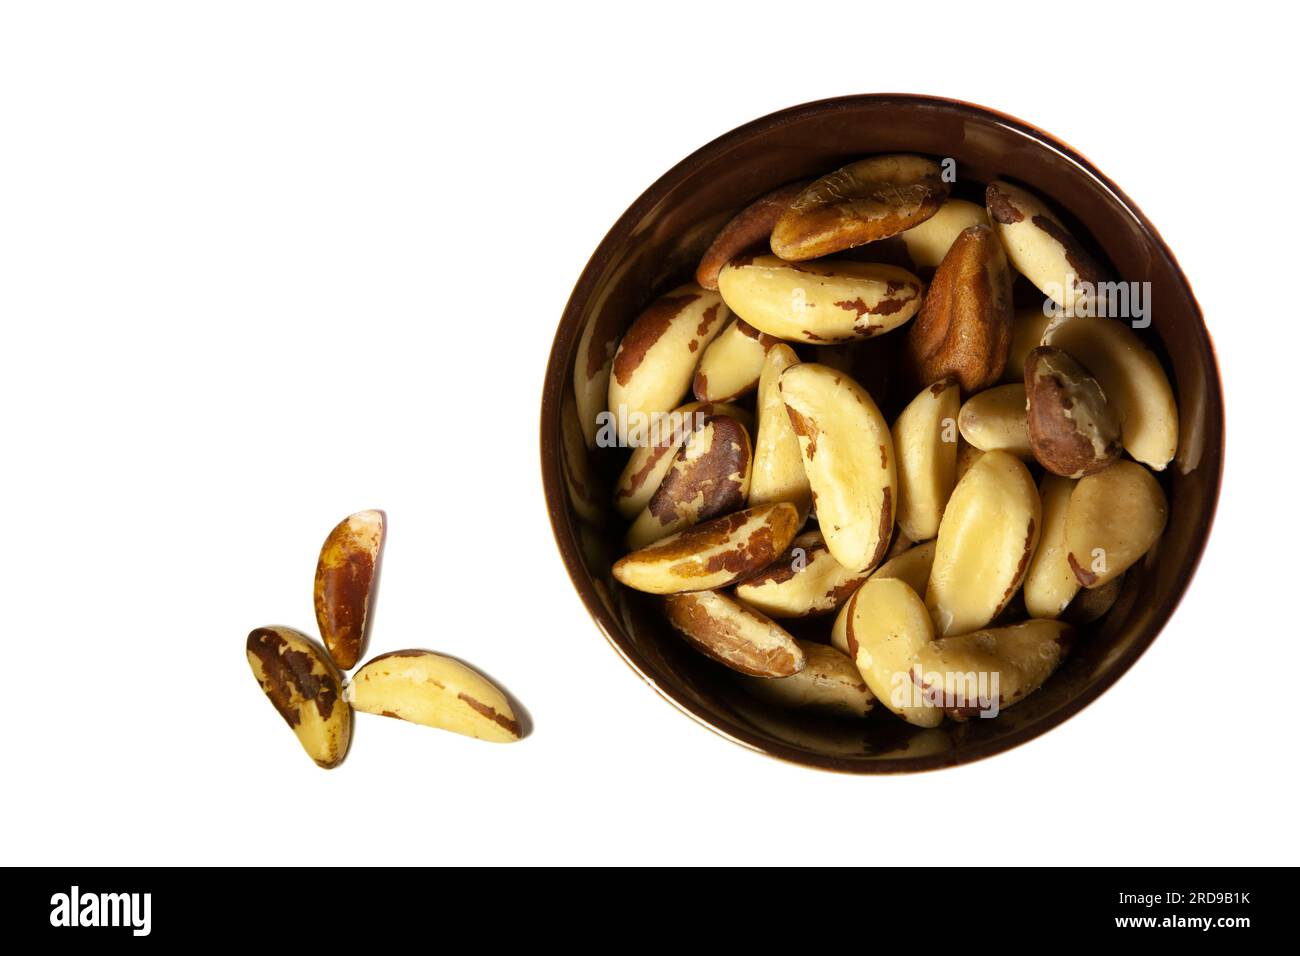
1042	249
871	199
305	688
733	634
828	682
1114	517
912	567
711	555
436	691
345	579
997	420
967	455
963	330
778	467
747	228
1050	583
848	456
1027	328
1130	375
970	673
1073	430
651	459
928	242
988	534
887	624
925	442
732	363
709	476
804	581
833	300
657	356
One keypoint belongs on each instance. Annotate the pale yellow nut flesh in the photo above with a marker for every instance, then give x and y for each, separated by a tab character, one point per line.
996	420
1050	584
986	539
732	363
1132	378
911	566
732	634
804	581
778	473
1041	248
925	441
306	689
829	682
436	691
823	302
848	457
714	554
709	476
656	358
970	674
651	459
1114	518
929	242
886	625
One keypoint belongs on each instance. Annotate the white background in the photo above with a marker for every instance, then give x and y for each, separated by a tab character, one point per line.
265	264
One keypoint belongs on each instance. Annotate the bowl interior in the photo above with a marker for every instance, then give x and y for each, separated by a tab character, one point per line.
656	245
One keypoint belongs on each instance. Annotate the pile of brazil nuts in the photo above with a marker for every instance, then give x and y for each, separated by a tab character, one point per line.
304	681
951	543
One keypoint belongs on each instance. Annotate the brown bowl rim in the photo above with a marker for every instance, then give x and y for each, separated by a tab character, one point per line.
553	484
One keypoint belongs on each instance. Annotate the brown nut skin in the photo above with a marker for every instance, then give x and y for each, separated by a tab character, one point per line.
733	634
963	330
306	689
709	476
1073	430
345	578
750	226
863	202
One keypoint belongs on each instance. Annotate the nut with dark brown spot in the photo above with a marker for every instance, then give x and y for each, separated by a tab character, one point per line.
733	634
436	691
651	459
709	476
747	228
865	201
656	358
804	581
822	303
1042	249
346	573
306	689
963	330
714	554
1073	430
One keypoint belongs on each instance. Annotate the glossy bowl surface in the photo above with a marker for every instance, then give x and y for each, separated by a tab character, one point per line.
656	245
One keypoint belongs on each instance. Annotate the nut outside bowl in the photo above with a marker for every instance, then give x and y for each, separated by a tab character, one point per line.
657	243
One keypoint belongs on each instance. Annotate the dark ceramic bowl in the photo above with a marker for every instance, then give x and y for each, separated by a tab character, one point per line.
656	245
